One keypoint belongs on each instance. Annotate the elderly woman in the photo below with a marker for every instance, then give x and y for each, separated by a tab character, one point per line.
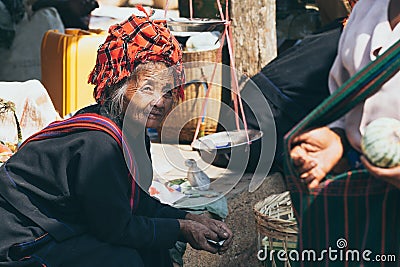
71	195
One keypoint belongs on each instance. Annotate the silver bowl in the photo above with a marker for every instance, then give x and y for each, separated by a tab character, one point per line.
194	25
223	142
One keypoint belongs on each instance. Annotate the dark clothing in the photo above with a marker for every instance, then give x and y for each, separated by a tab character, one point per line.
73	13
79	182
292	85
12	12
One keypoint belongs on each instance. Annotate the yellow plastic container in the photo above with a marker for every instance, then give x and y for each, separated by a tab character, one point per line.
66	61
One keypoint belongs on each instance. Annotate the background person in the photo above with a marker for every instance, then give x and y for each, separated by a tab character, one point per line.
343	201
371	29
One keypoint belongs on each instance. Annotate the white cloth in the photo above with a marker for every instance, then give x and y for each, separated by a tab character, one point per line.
33	105
367	33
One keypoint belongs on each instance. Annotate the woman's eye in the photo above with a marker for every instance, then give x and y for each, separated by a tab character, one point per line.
168	94
146	89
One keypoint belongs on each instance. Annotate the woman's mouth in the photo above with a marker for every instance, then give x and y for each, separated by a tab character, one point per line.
155	115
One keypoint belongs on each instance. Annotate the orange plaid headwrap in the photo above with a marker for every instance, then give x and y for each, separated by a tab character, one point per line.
134	41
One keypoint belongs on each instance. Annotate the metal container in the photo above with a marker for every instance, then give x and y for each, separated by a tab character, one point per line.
195	25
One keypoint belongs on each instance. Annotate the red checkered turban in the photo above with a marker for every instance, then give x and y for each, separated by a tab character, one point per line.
134	41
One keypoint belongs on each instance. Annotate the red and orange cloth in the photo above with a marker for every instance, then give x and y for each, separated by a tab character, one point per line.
134	41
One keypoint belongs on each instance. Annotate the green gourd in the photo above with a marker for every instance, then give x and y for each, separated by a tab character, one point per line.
381	142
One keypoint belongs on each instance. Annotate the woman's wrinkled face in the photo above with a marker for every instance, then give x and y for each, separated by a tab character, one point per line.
150	96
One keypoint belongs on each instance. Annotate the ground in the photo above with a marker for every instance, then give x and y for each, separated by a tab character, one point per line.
243	251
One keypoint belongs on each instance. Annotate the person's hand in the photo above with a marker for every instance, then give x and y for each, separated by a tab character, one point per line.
315	153
218	227
390	175
196	234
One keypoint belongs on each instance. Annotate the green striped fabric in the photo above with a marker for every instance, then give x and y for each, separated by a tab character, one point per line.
353	206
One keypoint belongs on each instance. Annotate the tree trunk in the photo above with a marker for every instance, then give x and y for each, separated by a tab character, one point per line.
254	34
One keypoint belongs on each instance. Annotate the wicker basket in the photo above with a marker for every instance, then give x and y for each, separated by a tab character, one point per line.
276	226
199	67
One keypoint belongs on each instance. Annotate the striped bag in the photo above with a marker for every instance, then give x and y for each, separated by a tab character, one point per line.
93	122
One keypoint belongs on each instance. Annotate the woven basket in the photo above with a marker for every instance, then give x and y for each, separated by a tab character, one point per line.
276	225
199	67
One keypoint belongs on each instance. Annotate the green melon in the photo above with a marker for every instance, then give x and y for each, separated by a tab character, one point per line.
381	142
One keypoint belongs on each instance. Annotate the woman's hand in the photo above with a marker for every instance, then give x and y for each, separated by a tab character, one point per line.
196	234
220	231
315	153
390	175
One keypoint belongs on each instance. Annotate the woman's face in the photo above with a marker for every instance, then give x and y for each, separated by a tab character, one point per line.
149	97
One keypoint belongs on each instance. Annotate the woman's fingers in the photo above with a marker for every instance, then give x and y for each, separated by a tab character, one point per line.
224	233
219	227
304	137
313	177
390	175
217	231
313	184
228	239
380	172
296	155
213	230
302	160
209	247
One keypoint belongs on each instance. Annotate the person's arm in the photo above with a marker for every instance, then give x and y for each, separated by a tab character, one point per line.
337	76
195	229
341	69
103	191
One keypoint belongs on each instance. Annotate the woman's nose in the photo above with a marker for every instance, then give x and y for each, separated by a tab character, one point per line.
158	101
